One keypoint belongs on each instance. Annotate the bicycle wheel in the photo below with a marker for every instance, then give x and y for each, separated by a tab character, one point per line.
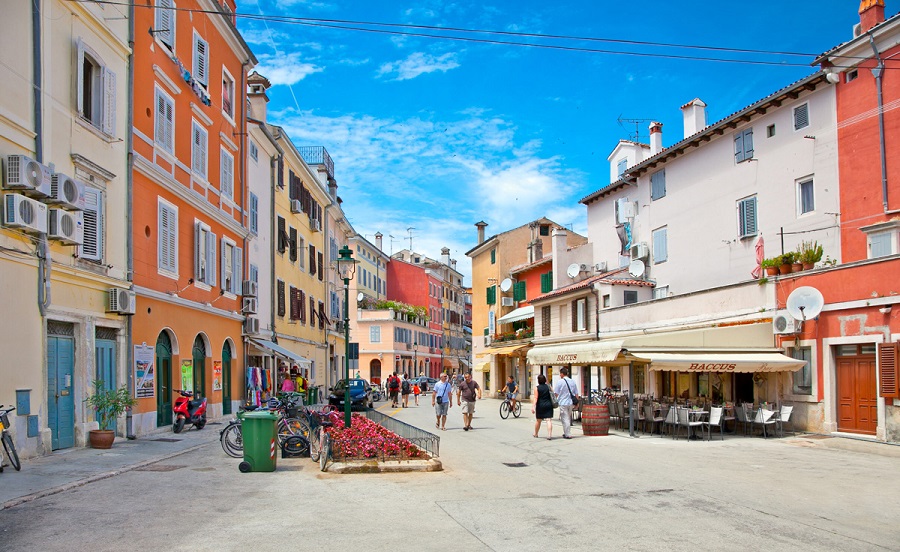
232	440
504	410
315	445
325	452
11	451
518	410
288	427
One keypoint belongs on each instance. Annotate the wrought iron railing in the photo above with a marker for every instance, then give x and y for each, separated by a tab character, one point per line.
318	155
429	442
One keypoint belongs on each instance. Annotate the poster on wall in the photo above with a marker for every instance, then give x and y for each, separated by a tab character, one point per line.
187	375
144	371
217	375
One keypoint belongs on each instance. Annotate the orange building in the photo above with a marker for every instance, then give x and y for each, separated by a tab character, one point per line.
189	205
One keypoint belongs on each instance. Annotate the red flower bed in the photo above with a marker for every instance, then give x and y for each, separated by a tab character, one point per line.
366	439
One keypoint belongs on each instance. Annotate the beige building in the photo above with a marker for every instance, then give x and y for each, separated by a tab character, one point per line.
63	141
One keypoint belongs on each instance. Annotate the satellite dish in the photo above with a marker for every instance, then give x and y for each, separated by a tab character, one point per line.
574	270
805	303
506	284
636	268
361	296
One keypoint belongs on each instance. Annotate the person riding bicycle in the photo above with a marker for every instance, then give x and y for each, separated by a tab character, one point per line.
512	391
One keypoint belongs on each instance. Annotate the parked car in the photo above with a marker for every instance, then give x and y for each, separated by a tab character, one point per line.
428	381
361	396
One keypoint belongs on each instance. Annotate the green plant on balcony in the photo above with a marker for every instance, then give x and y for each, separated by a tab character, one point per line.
411	312
810	253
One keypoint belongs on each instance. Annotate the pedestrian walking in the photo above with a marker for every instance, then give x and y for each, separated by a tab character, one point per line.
393	388
442	400
542	406
416	392
405	389
466	395
565	389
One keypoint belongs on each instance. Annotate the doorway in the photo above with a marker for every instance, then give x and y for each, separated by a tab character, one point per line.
199	355
226	378
743	387
60	402
857	389
163	380
105	353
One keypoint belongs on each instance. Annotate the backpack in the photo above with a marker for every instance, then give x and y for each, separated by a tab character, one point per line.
393	383
406	386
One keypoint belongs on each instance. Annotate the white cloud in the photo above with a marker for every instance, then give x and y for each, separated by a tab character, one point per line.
285	69
417	64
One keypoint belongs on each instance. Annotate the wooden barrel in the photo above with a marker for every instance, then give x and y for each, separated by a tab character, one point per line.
595	419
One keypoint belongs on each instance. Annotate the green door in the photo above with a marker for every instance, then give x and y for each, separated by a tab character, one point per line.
60	402
105	352
199	355
163	380
226	378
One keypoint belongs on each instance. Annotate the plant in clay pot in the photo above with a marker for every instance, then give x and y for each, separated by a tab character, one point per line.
770	265
108	404
787	260
810	253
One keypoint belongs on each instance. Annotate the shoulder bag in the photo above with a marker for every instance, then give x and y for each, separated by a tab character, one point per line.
553	397
573	395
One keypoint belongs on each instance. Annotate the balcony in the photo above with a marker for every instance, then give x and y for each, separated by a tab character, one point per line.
318	155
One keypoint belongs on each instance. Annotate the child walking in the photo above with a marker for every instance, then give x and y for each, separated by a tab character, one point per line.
416	392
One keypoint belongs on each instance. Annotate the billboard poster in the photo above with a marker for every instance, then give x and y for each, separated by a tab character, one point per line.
217	375
144	371
187	375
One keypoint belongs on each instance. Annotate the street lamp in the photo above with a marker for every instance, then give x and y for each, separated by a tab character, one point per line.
415	369
346	267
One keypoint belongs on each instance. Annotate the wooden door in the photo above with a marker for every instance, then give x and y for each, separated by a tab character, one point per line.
163	380
105	354
857	395
60	402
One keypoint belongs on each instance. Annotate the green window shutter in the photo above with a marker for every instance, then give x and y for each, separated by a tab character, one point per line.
493	256
491	295
547	282
519	291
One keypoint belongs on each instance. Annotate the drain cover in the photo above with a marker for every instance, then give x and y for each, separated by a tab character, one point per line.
159	468
166	440
515	464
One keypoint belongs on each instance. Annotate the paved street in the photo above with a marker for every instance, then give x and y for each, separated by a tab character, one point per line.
501	489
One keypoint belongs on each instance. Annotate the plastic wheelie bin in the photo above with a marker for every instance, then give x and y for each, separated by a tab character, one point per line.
312	395
260	437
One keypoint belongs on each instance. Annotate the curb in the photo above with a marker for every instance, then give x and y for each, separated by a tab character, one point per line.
395	466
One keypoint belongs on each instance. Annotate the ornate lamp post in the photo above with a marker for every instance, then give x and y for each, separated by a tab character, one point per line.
346	267
415	370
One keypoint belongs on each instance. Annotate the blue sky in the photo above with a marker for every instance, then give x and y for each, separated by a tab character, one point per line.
439	134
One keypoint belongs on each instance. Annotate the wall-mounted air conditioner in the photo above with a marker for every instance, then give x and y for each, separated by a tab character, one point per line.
600	267
66	191
783	323
24	213
251	325
487	341
121	301
315	225
339	326
249	288
27	175
249	305
640	251
507	302
296	206
66	226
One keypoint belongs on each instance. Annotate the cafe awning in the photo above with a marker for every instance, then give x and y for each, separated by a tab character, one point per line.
281	352
722	362
521	313
508	349
583	353
483	367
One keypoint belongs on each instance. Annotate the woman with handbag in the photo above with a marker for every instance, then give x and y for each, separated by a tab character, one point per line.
542	406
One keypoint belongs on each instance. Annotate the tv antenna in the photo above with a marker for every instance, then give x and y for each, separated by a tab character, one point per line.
636	136
410	229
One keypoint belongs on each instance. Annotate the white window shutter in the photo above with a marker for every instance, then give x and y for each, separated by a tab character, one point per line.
109	102
227	175
739	147
211	258
201	60
168	239
200	263
172	259
161	121
79	86
169	131
92	245
238	271
165	22
748	143
226	269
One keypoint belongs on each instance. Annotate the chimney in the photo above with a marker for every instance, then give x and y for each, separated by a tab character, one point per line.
871	13
655	138
445	255
378	236
481	226
453	264
559	237
256	95
536	250
694	117
332	188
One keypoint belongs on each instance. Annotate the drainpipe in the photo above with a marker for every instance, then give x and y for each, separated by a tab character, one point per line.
129	199
245	203
878	72
41	246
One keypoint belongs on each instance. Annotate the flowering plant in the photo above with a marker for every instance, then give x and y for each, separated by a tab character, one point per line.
366	439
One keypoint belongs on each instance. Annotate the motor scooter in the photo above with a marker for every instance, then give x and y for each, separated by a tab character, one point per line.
188	411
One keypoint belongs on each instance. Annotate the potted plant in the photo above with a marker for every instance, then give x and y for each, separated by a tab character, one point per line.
796	265
108	404
787	260
770	265
810	253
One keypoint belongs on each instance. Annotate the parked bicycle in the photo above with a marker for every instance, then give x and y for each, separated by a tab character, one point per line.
602	396
507	406
232	440
8	444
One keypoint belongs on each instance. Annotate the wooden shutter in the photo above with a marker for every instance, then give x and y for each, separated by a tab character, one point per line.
254	213
545	320
321	268
165	22
738	147
199	253
237	272
282	242
658	184
312	259
312	311
211	259
79	78
292	244
574	313
801	116
201	60
198	150
227	265
227	175
168	238
587	313
748	143
281	309
108	123
747	213
301	303
92	244
294	300
888	353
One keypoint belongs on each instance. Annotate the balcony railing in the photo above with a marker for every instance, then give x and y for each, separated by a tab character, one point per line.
318	155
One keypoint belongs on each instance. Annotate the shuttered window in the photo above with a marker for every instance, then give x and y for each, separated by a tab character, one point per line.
312	259
199	140
254	213
491	295
283	238
165	122
201	60
743	145
747	217
888	353
95	90
545	320
658	184
295	303
519	292
232	266
164	26
547	282
280	298
579	315
493	256
320	257
91	247
292	244
660	245
204	254
801	116
167	250
226	175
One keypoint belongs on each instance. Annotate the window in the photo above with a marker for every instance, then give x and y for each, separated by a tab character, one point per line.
606	301
292	244
880	244
519	292
226	175
375	334
283	238
91	247
201	60
204	254
301	245
747	217
806	200
164	26
579	315
801	116
96	91
165	122
545	229
547	282
661	292
802	378
254	273
658	184
770	131
660	245
167	248
545	320
280	299
320	257
295	303
491	295
851	75
254	151
493	256
199	138
621	166
312	259
743	145
232	265
227	94
630	297
254	213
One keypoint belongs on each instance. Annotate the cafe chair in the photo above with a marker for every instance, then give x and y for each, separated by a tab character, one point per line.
684	419
764	418
784	417
652	420
671	423
716	419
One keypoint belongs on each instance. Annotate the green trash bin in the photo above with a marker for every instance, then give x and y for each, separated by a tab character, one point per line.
260	436
312	395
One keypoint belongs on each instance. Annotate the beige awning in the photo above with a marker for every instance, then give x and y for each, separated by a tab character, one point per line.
483	367
507	350
521	313
281	352
582	353
722	362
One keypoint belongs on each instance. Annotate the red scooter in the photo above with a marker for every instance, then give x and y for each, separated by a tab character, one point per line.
188	411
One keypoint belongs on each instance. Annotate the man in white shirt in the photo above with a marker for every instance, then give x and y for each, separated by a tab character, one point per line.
441	400
565	388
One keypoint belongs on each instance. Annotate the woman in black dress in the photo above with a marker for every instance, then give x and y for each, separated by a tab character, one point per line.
542	406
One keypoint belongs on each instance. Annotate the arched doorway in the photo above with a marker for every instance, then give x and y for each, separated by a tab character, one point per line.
199	355
226	378
375	371
163	380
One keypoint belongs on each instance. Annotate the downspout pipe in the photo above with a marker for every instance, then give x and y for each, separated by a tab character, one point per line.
42	249
129	210
245	203
878	73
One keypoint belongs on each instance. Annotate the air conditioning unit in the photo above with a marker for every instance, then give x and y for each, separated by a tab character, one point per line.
25	213
339	326
783	323
625	210
640	251
25	174
66	226
487	341
296	207
66	191
121	301
251	325
250	305
600	267
315	225
507	302
249	288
